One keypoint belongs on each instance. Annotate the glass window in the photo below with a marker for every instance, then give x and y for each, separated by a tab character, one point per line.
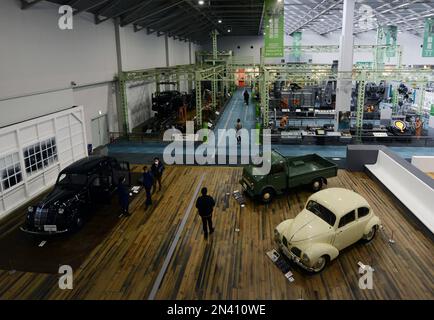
10	171
40	155
363	212
72	179
348	218
321	212
277	168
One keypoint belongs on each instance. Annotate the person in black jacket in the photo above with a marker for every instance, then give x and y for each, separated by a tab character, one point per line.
205	205
157	172
123	195
246	97
148	182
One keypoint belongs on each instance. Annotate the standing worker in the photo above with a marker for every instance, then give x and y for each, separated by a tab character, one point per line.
205	205
246	97
148	182
418	127
157	173
123	195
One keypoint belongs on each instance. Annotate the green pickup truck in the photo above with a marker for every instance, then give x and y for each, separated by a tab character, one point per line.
286	173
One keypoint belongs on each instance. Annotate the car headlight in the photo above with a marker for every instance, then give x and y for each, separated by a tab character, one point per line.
61	211
30	209
276	235
305	258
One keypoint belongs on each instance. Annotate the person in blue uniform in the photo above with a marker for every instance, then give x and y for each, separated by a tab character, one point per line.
124	197
148	182
157	173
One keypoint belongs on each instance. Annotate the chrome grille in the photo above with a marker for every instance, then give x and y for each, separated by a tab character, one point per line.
40	217
296	251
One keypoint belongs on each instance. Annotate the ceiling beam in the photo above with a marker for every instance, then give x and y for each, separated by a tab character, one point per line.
90	7
141	18
117	14
25	5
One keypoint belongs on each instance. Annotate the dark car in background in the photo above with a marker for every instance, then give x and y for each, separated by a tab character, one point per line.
79	189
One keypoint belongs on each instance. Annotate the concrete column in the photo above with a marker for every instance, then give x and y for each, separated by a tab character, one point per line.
344	85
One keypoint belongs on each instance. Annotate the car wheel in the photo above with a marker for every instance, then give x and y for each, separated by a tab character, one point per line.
317	185
267	195
320	264
370	235
77	223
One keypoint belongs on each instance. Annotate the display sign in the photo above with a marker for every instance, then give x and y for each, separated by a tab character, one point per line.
274	29
296	44
432	110
388	35
428	50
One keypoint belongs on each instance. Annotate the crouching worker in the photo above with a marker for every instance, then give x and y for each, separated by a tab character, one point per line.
124	197
205	205
148	182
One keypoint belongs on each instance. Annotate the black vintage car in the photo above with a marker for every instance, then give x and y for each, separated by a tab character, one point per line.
79	189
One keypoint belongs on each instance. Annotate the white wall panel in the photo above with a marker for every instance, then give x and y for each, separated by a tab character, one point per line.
37	56
68	129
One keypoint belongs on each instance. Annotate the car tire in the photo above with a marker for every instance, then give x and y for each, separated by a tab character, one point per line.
77	223
321	264
317	185
371	235
267	195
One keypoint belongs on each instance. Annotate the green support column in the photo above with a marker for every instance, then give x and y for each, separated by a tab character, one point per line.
198	99
421	100
189	83
395	98
124	103
214	35
178	84
360	109
265	99
157	83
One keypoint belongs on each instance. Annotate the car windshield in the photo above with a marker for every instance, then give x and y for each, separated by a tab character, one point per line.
322	212
72	180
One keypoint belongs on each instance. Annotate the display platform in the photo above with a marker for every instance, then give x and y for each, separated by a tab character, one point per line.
232	264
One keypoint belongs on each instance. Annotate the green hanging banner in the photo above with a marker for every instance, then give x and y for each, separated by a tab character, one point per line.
296	44
428	49
274	29
388	35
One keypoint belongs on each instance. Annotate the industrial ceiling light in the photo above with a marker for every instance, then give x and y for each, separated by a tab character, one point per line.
220	21
201	2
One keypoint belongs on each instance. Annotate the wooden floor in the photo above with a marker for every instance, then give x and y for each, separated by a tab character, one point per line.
231	264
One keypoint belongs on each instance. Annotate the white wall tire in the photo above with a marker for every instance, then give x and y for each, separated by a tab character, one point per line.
320	264
370	235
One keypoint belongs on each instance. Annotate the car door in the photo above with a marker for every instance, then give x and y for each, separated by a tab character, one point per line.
121	169
347	231
277	177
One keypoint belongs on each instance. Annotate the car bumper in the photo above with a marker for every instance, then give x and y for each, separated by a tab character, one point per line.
42	232
293	257
246	189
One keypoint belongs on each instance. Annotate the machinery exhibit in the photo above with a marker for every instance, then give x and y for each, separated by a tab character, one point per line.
251	150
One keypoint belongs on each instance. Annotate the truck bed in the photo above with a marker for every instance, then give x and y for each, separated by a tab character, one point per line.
309	164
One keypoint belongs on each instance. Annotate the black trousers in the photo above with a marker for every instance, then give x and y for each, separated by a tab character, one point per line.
157	179
207	224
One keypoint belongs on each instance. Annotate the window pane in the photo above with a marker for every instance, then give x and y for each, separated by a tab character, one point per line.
363	212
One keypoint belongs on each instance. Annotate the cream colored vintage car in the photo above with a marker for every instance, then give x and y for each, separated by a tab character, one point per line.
332	220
